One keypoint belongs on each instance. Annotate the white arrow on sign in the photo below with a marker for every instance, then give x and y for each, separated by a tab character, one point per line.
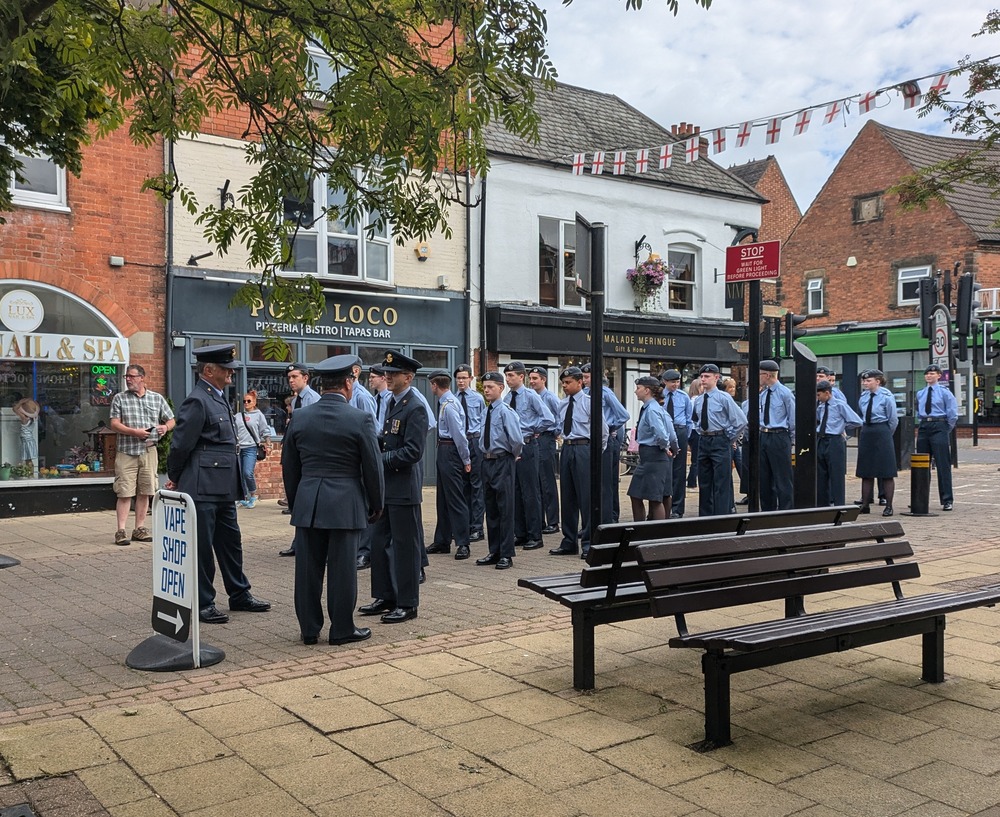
176	619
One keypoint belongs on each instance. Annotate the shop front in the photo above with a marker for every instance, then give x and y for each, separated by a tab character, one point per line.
61	361
430	326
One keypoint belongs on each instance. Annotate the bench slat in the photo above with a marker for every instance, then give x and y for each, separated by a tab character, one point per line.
736	594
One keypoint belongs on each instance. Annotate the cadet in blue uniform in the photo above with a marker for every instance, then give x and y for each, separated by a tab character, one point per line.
332	471
720	422
361	398
833	418
453	464
937	409
475	411
535	418
876	450
616	417
574	463
678	406
501	443
396	542
548	458
654	432
204	463
777	435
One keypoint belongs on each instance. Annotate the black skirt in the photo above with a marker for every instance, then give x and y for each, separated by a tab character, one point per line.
876	453
653	475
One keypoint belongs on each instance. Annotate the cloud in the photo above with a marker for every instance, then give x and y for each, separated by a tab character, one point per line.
752	59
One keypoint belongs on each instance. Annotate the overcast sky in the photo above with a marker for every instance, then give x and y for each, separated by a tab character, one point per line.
751	59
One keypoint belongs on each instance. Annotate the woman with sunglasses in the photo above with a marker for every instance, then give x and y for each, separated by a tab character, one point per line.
252	430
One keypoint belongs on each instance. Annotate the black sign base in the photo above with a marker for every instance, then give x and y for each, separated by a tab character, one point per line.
910	513
161	654
7	561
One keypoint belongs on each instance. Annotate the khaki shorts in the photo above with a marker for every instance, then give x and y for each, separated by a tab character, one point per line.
135	475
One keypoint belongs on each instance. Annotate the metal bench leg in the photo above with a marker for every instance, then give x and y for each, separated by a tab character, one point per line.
933	653
715	667
583	649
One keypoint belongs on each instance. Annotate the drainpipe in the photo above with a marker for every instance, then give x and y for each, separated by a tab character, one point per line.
483	357
169	317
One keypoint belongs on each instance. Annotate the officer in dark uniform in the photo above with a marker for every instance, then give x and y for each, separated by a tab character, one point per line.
453	464
204	463
332	470
397	547
501	443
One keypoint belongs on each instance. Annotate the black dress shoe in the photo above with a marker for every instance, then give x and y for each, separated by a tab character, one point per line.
287	552
744	501
584	553
423	576
212	615
249	604
439	549
864	509
476	536
947	507
364	562
462	552
520	542
309	640
287	511
359	634
488	560
376	607
551	529
562	552
532	544
881	501
887	511
676	516
399	615
505	563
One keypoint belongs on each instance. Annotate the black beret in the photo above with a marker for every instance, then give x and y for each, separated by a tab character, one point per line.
877	373
709	368
439	373
584	368
670	374
933	367
824	370
463	367
542	373
648	381
297	367
514	366
572	371
493	377
768	366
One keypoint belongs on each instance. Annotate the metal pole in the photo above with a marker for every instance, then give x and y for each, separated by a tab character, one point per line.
805	426
597	241
752	450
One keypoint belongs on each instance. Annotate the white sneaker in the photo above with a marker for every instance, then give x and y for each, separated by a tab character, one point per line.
250	503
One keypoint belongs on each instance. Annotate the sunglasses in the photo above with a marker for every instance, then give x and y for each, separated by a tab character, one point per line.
247	402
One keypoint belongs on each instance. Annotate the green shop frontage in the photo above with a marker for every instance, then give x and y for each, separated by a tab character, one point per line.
904	356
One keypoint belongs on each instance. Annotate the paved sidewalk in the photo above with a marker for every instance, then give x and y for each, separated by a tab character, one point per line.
469	709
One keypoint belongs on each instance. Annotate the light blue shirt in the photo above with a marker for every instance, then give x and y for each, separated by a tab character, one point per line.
451	424
362	399
782	413
682	407
883	407
655	427
308	395
580	427
431	415
723	413
840	417
383	407
552	404
614	412
505	430
476	409
531	411
943	404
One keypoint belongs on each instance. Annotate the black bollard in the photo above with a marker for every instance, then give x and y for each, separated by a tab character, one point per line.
920	485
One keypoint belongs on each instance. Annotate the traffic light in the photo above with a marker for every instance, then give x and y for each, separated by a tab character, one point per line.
928	299
791	333
967	304
766	339
991	346
960	346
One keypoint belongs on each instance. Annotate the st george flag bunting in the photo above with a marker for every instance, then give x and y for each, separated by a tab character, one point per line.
579	160
773	131
802	122
598	167
642	160
833	111
691	149
743	134
940	84
618	167
666	155
719	140
911	95
867	102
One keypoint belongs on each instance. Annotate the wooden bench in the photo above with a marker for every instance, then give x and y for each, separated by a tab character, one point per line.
611	587
698	574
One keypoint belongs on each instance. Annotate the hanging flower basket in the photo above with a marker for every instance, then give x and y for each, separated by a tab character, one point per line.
647	280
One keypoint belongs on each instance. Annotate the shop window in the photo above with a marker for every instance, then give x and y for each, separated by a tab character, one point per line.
328	245
370	355
908	285
272	388
680	288
814	295
318	352
432	358
42	183
557	264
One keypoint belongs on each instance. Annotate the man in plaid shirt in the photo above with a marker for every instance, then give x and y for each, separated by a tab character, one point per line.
141	417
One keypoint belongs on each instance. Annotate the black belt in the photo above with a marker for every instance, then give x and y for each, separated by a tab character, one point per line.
473	435
576	442
498	456
614	430
710	433
772	430
881	423
933	420
828	435
445	441
553	433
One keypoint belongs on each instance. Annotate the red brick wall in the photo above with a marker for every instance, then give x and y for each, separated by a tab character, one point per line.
827	236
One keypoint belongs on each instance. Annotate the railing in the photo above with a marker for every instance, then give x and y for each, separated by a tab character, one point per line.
989	300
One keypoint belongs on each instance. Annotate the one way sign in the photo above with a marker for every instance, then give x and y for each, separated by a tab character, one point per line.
171	620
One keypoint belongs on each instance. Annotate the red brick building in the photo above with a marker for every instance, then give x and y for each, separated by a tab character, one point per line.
854	262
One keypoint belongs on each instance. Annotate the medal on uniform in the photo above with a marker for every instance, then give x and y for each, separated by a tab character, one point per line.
395	427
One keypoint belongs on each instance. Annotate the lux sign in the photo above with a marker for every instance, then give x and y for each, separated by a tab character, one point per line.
21	311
